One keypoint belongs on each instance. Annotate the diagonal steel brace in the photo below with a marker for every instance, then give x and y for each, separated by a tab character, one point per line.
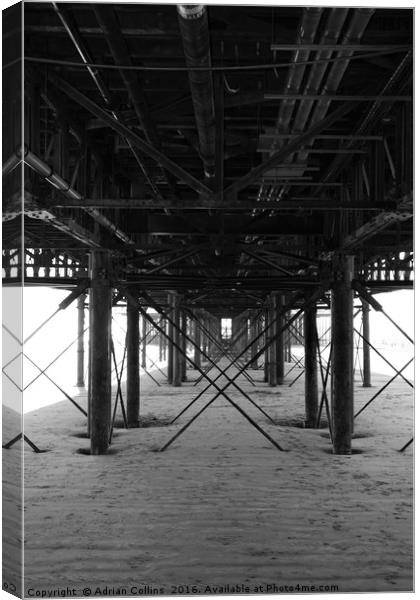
308	302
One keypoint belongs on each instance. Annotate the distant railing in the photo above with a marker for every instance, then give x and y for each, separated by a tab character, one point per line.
41	264
394	267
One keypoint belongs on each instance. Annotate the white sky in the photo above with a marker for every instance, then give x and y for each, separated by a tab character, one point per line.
40	303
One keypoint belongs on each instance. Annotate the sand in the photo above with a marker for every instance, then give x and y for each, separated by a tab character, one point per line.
222	506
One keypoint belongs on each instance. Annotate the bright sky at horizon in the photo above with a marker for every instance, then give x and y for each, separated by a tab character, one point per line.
61	331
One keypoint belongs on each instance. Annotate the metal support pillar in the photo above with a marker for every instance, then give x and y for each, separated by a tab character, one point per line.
197	341
161	348
133	374
311	367
279	341
213	333
266	352
144	344
245	337
177	357
81	341
254	347
342	355
234	332
204	334
164	343
170	347
272	360
366	348
184	325
100	352
288	343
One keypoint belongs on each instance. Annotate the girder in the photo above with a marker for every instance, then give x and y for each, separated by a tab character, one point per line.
219	169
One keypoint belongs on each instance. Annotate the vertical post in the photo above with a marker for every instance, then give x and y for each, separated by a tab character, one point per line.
133	375
245	336
214	335
311	366
164	341
160	336
177	375
183	359
288	340
81	341
197	341
170	352
234	330
254	347
204	335
366	348
342	355
272	361
100	351
144	342
89	393
266	351
279	342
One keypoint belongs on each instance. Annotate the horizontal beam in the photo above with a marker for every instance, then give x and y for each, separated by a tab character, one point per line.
353	47
206	203
326	136
161	284
336	97
321	151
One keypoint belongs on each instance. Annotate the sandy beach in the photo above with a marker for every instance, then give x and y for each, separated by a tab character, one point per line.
222	506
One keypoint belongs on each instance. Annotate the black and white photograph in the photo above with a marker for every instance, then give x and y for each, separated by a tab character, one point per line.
207	299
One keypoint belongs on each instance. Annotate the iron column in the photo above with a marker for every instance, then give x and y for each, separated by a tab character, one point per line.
184	325
311	370
81	341
170	346
133	375
342	354
177	358
144	342
272	360
100	351
279	341
366	347
197	340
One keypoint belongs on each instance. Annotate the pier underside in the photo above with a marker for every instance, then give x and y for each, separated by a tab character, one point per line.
237	183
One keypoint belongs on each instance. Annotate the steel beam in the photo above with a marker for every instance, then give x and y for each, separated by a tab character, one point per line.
213	203
290	148
220	392
132	137
336	97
